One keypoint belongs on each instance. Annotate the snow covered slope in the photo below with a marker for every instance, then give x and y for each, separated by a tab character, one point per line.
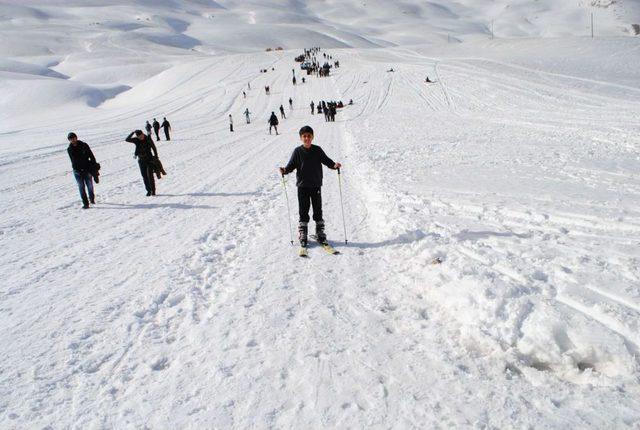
518	169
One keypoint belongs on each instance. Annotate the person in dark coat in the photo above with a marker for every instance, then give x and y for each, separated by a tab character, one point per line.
166	127
313	110
307	161
282	112
145	153
156	128
273	122
148	128
82	163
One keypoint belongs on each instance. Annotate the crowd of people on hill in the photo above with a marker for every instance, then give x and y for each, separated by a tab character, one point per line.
86	169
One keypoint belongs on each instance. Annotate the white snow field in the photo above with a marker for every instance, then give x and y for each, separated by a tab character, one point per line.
518	168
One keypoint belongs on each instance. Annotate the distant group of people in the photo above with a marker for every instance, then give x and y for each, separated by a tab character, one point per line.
313	66
156	128
329	109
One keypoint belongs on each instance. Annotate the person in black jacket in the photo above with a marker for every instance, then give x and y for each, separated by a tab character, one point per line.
145	152
282	112
273	122
148	128
307	161
166	127
156	128
82	163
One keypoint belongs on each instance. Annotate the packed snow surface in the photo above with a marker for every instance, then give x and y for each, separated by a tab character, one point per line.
517	170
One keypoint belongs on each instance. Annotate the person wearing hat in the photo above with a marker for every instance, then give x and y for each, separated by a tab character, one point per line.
307	161
145	153
82	161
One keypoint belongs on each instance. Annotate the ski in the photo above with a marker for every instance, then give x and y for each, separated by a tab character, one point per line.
330	249
325	245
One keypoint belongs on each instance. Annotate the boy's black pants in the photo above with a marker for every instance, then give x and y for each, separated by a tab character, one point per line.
308	197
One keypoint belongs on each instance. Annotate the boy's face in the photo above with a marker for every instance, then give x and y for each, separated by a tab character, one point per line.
306	139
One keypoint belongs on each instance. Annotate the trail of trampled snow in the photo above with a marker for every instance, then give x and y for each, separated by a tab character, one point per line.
192	309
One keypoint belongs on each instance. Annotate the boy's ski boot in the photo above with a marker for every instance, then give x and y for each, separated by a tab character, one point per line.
303	228
321	237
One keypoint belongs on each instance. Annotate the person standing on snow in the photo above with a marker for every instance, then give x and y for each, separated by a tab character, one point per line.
145	153
313	110
166	127
230	123
246	115
332	111
307	161
156	129
290	103
282	112
273	122
148	128
82	163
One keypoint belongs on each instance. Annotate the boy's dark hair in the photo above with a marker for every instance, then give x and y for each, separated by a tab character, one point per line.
306	129
138	132
71	135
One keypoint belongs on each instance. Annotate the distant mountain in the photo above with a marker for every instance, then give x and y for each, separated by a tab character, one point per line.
34	27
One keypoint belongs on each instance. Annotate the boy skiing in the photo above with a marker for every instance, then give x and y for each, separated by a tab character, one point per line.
307	161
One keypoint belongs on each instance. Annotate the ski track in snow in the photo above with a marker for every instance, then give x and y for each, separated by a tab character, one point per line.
192	309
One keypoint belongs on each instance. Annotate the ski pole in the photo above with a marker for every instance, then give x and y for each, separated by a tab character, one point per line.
344	225
286	196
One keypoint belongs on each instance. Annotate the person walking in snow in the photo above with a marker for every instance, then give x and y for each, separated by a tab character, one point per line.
282	112
273	122
290	103
145	152
230	123
83	163
294	80
246	115
148	128
244	95
166	127
313	110
333	109
307	161
156	128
